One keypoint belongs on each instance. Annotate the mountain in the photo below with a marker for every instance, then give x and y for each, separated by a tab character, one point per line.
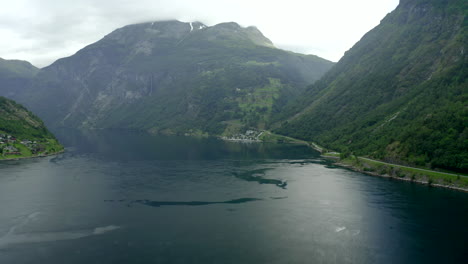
22	134
400	94
173	77
15	75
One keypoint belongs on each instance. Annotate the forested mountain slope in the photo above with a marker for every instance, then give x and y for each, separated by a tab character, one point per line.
400	94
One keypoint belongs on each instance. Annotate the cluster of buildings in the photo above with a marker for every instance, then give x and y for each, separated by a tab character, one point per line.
6	142
248	136
7	145
4	138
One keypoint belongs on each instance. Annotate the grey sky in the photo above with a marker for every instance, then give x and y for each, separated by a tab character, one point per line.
42	31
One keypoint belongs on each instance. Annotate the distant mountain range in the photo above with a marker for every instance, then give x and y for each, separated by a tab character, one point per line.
15	75
399	95
172	77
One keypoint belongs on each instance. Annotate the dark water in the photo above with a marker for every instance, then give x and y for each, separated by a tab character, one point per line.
132	198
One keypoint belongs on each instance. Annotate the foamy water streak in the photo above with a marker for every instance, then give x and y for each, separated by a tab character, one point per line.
12	238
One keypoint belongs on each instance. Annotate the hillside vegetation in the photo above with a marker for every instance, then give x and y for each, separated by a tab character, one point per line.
175	78
22	134
399	95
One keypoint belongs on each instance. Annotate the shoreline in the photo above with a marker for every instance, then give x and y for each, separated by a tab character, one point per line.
370	173
391	173
393	170
34	157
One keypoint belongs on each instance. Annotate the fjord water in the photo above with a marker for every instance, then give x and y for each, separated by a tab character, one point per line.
117	197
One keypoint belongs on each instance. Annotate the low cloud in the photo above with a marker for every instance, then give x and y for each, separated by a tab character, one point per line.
44	31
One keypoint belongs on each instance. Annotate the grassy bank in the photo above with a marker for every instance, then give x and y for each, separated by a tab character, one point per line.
377	168
48	147
451	180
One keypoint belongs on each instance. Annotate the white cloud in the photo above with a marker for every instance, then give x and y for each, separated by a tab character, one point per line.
43	31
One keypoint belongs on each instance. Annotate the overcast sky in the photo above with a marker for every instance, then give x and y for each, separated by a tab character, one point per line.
42	31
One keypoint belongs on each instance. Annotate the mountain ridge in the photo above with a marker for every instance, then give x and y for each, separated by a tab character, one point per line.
391	91
169	76
15	75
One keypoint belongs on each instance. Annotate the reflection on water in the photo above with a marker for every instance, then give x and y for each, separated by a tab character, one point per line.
189	203
126	146
123	197
256	176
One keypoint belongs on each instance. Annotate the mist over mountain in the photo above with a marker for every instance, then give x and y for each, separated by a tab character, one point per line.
400	94
172	77
15	75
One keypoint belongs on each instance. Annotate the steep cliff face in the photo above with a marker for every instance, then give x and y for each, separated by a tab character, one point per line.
173	77
399	94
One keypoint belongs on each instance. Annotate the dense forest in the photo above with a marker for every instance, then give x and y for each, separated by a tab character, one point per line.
400	94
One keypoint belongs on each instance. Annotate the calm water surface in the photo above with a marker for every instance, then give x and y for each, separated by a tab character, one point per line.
118	197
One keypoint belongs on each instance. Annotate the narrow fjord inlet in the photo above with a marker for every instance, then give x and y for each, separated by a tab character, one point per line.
163	199
157	132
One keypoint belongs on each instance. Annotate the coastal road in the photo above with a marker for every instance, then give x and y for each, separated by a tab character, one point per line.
401	166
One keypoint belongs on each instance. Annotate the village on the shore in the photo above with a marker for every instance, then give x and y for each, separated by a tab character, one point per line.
9	145
248	136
